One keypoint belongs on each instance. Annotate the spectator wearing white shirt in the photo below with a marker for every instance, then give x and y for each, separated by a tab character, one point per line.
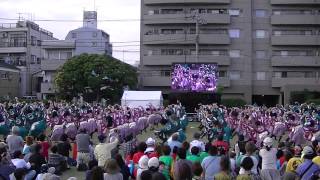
14	141
173	141
20	163
197	142
268	154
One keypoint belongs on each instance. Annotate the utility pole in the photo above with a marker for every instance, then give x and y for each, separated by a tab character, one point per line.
199	21
197	41
123	55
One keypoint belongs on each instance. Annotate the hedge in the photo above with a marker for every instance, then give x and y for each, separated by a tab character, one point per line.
315	101
304	96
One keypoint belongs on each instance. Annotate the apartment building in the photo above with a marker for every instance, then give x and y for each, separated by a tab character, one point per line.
20	46
9	81
89	39
265	49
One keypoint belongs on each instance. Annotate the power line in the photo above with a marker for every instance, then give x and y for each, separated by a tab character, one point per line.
101	20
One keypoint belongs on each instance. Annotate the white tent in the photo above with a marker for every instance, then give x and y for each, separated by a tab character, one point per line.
142	98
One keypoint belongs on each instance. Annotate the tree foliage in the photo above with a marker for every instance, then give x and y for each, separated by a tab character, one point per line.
95	76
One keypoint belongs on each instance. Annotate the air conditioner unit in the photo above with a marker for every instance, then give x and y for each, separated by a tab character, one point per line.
5	35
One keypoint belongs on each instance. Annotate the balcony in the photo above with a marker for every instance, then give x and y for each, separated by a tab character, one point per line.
52	64
295	2
47	88
222	39
300	81
13	27
185	19
224	82
295	19
157	81
301	61
167	60
156	2
58	44
19	47
294	40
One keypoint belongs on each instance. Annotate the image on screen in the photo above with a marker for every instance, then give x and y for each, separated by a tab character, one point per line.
194	77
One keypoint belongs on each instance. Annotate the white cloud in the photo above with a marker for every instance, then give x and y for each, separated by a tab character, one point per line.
73	9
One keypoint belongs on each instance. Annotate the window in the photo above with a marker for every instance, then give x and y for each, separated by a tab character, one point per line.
94	44
261	13
307	32
171	52
53	55
277	12
94	34
172	31
38	60
302	53
65	55
149	53
234	53
215	53
234	12
69	55
234	33
38	43
261	76
234	75
171	11
310	74
33	59
222	74
261	34
74	35
260	54
284	74
165	73
280	74
4	76
277	33
283	53
277	75
33	41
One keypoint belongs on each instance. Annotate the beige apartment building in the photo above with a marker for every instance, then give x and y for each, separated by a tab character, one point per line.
265	49
9	81
21	46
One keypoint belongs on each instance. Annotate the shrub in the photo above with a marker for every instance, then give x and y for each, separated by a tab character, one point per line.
304	96
166	102
233	102
315	101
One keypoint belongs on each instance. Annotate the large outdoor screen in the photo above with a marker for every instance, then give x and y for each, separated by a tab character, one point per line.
194	77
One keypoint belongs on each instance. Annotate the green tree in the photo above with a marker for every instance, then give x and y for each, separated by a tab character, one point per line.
95	76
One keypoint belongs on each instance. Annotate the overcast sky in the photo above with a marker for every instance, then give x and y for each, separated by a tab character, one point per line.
73	10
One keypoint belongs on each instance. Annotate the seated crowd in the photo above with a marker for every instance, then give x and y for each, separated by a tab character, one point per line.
41	159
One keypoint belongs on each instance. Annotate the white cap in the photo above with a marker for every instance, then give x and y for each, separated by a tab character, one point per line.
153	162
268	141
150	141
143	162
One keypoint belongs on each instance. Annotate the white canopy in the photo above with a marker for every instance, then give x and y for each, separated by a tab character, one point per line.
142	98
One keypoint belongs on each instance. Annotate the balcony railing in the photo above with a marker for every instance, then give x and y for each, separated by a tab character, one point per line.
13	44
8	25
